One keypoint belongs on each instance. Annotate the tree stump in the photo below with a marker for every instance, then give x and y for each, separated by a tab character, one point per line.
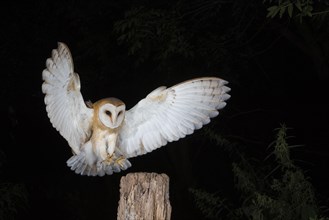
144	196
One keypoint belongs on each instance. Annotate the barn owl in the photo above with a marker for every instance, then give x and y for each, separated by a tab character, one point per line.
104	135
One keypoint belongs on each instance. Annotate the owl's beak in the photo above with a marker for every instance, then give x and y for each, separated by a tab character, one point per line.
113	118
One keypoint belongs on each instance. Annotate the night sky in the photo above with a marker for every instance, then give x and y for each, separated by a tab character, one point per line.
277	69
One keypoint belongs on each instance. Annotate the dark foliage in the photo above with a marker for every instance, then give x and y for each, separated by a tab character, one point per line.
274	188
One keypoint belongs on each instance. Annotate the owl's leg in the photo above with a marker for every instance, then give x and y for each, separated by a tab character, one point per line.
109	159
122	162
118	161
113	159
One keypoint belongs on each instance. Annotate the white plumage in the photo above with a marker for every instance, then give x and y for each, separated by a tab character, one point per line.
104	135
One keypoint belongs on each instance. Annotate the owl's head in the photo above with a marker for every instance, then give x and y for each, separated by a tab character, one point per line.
110	112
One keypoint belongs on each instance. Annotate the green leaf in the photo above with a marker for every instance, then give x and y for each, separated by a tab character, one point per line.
272	11
272	8
308	13
290	9
298	5
282	10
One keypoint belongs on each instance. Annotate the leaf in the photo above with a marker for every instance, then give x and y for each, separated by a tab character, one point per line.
308	10
298	5
282	10
290	9
121	38
272	11
308	13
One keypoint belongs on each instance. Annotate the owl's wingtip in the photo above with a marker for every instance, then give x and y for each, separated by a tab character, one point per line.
61	44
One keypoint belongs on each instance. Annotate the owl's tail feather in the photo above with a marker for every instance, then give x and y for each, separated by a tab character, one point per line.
80	166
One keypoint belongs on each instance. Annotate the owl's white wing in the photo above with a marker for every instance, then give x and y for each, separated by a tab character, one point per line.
64	103
168	114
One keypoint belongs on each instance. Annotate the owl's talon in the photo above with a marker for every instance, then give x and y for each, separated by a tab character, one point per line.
110	159
121	161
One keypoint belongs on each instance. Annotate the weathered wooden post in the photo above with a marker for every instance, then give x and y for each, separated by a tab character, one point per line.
144	196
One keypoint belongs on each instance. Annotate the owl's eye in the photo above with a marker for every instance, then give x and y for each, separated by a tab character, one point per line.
120	112
108	113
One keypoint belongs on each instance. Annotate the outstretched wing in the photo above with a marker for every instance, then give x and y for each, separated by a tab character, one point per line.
64	103
168	114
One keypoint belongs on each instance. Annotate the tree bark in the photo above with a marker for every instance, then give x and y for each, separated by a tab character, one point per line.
144	196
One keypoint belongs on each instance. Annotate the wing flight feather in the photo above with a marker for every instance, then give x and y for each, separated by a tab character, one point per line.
64	103
167	115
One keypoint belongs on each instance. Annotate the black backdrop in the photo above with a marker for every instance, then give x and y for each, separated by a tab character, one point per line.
278	86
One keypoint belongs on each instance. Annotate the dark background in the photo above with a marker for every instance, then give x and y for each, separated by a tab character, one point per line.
277	69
